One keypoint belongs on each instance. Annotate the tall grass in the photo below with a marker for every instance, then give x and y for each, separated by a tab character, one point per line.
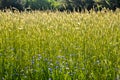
60	46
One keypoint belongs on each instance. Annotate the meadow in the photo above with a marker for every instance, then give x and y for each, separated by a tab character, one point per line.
60	46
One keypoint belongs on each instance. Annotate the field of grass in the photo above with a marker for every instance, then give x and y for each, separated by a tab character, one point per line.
60	46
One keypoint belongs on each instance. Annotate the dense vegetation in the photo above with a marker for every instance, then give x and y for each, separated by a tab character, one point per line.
60	46
69	5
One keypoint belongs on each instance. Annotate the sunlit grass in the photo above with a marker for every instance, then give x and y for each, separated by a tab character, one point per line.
60	46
